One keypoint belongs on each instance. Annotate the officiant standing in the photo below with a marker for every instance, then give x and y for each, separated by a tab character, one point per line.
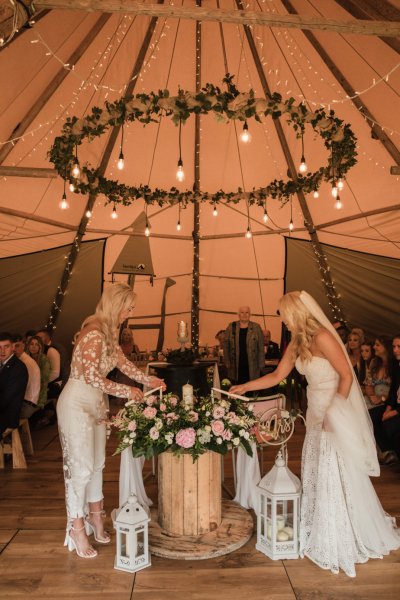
82	414
244	348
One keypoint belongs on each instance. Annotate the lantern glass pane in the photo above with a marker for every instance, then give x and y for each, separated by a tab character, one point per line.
269	508
124	545
262	505
140	543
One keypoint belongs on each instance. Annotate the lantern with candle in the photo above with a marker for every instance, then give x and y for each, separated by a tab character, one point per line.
183	334
279	511
131	525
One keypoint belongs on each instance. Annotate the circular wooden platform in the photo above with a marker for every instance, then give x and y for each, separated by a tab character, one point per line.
235	530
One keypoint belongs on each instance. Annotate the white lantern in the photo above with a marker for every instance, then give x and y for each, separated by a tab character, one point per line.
131	525
278	513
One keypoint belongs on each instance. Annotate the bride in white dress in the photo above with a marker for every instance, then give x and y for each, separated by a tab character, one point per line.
342	521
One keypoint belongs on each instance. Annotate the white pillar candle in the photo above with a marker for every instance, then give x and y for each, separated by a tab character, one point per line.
282	536
187	395
280	522
289	531
182	329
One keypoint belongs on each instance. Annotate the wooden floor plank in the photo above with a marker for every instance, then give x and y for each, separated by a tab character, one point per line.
34	563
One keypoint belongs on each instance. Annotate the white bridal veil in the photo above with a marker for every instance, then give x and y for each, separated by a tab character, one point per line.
349	420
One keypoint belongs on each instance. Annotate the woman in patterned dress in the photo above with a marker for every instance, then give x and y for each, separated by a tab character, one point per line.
82	413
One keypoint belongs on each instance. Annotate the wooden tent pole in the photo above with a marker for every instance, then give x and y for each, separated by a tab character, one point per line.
376	130
195	310
377	9
57	303
380	28
52	87
308	222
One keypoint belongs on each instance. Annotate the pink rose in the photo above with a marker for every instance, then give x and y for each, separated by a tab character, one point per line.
154	433
150	400
132	426
163	406
233	418
193	416
227	435
186	437
173	401
150	412
218	412
217	427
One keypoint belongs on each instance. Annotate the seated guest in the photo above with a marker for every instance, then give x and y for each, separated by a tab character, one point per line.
353	346
271	348
31	397
35	350
391	416
377	387
127	343
367	354
13	382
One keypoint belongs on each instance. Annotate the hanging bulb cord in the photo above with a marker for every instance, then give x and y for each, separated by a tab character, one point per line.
180	140
302	147
122	137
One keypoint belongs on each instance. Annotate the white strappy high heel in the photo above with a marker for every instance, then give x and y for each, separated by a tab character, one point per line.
91	528
72	545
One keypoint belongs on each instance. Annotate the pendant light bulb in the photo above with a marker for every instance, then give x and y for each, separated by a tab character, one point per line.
215	211
291	226
245	136
248	232
147	230
121	161
114	214
340	184
180	174
178	226
303	166
265	216
338	203
71	187
88	214
334	191
64	202
76	170
316	194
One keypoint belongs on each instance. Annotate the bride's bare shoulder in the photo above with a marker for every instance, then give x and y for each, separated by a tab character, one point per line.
322	338
92	326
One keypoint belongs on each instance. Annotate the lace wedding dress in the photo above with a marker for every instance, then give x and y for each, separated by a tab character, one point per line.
342	521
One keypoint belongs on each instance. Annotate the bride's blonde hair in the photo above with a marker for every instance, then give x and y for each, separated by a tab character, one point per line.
116	298
302	324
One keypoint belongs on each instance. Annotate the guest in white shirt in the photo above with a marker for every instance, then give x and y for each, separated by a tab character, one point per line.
31	397
54	387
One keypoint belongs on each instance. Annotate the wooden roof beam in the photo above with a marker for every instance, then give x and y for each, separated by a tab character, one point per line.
379	28
28	172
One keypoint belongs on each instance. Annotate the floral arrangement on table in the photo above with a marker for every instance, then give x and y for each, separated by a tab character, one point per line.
187	356
162	423
231	104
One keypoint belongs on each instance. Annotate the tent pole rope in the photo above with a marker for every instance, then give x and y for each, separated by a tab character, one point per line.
195	313
308	222
73	254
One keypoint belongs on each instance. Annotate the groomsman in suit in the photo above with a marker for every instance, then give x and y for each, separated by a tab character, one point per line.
13	382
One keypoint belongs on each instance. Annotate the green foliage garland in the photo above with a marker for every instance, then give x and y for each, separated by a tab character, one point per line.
338	137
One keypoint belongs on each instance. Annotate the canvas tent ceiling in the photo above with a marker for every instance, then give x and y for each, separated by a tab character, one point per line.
233	270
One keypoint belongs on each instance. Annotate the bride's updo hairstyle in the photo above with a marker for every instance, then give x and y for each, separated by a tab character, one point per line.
302	325
116	298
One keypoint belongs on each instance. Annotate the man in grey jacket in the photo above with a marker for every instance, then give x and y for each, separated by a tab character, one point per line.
244	348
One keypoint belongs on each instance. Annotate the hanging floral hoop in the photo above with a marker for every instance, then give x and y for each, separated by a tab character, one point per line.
338	138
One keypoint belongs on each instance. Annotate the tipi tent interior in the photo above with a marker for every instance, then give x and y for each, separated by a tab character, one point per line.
59	59
72	59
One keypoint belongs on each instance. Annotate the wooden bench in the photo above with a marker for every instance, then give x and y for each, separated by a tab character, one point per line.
16	446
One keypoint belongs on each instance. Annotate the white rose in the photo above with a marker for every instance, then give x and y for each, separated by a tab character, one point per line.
236	441
246	435
132	435
207	427
219	440
338	136
242	432
126	439
239	102
131	442
167	103
261	106
136	104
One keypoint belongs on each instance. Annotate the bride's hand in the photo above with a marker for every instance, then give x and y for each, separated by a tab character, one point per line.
155	382
238	389
136	394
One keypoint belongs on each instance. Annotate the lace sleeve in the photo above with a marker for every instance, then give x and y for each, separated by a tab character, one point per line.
128	368
91	351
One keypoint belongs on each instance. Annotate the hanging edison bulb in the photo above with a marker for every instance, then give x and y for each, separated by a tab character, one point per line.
245	136
147	229
215	211
265	216
340	184
338	203
316	194
334	190
76	169
88	213
64	202
180	174
291	226
248	232
114	214
121	161
71	187
303	165
178	226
